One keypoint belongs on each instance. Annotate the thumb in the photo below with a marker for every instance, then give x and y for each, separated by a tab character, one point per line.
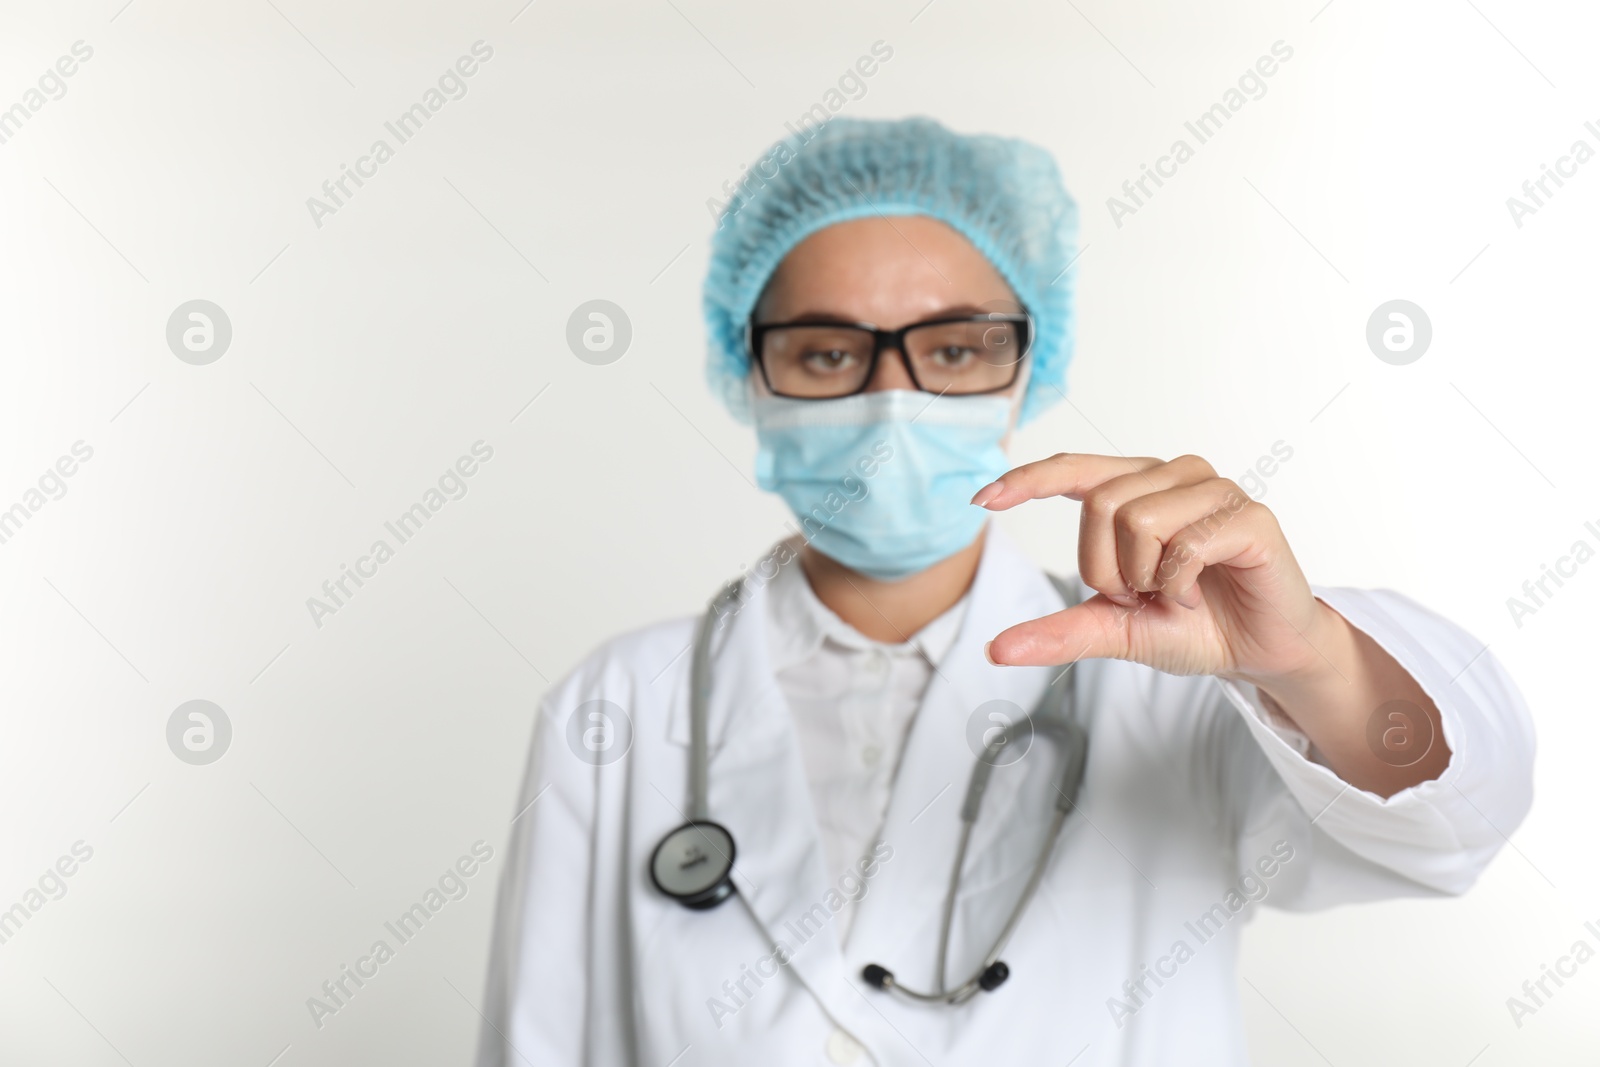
1094	629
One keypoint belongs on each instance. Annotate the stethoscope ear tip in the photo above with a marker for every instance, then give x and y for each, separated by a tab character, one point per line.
994	976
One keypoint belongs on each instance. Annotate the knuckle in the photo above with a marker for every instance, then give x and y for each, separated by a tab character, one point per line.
1191	462
1099	505
1185	548
1257	512
1135	518
1234	499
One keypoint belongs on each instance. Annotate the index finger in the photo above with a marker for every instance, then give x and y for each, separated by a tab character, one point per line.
1068	474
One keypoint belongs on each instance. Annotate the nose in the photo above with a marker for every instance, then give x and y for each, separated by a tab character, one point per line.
891	372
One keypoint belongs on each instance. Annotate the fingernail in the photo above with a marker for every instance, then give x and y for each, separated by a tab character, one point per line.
986	647
1123	600
987	493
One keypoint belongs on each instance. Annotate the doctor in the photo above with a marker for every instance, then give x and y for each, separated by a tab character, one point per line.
885	309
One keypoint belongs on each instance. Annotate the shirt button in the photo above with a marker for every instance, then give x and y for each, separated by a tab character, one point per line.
870	755
877	663
842	1048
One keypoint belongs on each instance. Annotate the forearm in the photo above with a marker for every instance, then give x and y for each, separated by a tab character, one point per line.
1365	713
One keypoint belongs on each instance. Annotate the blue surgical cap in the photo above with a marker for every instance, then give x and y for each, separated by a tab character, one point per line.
1002	194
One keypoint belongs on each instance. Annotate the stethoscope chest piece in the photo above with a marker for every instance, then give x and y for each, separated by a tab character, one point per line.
694	864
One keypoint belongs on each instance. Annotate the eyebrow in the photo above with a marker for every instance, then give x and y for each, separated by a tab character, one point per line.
830	317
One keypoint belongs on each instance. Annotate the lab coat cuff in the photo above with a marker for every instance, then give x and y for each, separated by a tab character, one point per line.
1442	832
1291	752
1266	714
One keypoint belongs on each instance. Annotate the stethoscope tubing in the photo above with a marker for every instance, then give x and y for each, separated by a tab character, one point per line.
718	887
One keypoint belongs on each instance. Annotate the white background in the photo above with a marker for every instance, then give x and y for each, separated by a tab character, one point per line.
368	354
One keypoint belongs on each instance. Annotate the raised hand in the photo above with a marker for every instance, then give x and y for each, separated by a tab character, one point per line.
1191	576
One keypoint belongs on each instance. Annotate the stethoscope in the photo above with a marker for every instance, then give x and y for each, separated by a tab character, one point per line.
694	863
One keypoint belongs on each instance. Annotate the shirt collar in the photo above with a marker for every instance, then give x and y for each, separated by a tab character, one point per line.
800	623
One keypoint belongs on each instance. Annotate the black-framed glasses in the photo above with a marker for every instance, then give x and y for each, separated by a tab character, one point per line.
963	355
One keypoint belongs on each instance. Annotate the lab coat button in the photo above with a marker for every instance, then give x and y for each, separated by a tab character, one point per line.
870	755
842	1048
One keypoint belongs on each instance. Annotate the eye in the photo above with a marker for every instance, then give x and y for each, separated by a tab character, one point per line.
828	360
952	357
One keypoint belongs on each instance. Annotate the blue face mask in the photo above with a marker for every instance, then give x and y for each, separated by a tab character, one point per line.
882	481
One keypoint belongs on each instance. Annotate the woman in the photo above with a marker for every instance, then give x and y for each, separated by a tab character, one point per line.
886	308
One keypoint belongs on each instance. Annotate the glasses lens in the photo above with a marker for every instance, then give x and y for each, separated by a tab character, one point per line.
966	357
816	361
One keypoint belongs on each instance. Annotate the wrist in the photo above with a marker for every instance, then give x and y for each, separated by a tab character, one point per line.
1325	644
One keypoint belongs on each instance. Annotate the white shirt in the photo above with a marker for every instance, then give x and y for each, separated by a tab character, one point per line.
853	700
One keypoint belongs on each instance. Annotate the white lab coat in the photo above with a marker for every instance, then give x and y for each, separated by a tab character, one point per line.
1188	784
